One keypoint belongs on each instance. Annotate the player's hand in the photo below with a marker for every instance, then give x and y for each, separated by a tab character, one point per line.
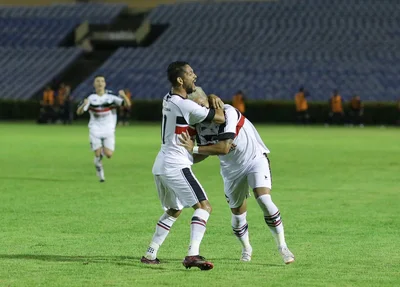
233	147
121	92
186	142
215	102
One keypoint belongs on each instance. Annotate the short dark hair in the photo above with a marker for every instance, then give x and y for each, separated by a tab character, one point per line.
175	70
99	76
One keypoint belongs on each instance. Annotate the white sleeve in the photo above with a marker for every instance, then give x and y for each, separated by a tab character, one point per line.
228	129
117	100
86	107
194	113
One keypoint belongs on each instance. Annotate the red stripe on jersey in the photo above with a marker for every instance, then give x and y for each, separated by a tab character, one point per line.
180	130
192	131
240	124
100	110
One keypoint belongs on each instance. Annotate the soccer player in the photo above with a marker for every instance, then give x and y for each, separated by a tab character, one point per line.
102	108
176	184
244	162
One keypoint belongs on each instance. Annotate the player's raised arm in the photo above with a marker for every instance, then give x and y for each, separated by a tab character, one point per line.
199	111
82	107
215	102
126	101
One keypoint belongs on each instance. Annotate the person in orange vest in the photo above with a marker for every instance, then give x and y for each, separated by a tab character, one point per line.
300	100
48	104
125	111
60	99
238	102
356	111
48	96
336	113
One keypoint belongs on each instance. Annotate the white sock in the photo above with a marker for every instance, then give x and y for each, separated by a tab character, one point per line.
99	167
163	226
240	229
197	230
272	218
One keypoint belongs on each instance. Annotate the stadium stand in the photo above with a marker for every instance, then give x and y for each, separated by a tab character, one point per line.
24	72
35	32
95	13
269	49
30	39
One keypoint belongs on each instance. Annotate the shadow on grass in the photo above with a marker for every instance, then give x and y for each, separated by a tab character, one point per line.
122	260
32	178
85	260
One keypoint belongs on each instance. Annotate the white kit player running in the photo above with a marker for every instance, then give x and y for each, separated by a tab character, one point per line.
244	162
177	186
103	119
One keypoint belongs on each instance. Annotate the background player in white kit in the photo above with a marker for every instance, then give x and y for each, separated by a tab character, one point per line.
244	163
176	184
103	119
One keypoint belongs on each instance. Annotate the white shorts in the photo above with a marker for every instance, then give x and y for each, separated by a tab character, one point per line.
98	142
179	189
257	174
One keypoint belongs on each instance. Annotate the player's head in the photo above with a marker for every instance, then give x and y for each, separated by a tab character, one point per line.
200	97
181	75
301	89
99	82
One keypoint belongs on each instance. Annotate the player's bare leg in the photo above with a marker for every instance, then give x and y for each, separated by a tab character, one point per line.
107	152
240	229
200	217
163	227
273	219
98	164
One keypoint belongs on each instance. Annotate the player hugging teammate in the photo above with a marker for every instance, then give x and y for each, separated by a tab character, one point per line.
220	130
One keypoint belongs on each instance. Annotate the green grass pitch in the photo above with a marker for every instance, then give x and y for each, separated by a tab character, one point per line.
338	190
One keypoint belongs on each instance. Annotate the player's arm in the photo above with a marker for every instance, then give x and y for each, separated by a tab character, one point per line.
127	101
83	107
223	147
194	113
215	102
225	137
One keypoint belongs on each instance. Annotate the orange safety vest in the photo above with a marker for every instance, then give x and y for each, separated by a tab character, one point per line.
355	104
301	102
48	97
336	104
238	103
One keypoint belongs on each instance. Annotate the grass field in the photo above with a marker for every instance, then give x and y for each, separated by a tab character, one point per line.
338	190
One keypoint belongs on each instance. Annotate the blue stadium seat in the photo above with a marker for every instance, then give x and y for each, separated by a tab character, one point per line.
24	71
351	45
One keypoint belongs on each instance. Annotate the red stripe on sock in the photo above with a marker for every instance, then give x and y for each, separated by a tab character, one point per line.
162	226
199	223
272	215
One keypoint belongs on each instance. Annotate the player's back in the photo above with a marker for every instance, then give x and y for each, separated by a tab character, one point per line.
247	141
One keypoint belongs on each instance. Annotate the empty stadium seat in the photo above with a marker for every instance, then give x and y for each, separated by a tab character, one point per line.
25	71
269	49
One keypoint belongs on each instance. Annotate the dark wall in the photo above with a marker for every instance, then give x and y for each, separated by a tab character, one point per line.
256	111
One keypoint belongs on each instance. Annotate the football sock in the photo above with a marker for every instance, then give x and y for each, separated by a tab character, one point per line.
197	230
99	167
163	226
240	229
272	218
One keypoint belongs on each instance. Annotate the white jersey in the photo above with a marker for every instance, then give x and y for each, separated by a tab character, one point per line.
103	117
177	114
249	144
